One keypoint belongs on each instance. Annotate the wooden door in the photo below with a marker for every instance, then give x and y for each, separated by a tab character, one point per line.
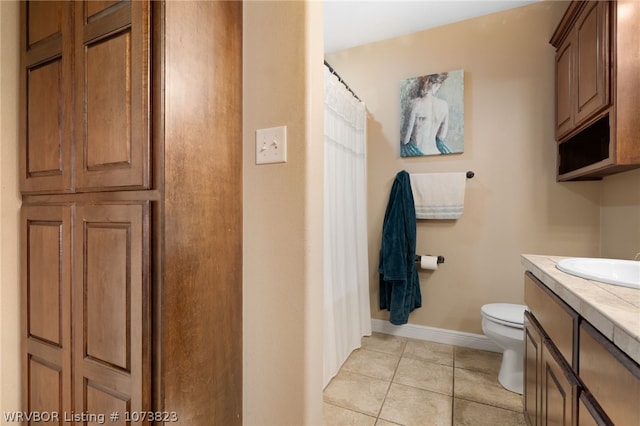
564	87
532	362
46	308
46	84
592	60
559	389
111	314
112	95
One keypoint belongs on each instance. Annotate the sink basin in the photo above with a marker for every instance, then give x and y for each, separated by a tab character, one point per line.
620	272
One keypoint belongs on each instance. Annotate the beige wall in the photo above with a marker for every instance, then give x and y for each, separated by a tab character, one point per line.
9	211
283	215
513	205
620	215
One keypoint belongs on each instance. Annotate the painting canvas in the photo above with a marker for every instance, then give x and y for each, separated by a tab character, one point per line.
432	114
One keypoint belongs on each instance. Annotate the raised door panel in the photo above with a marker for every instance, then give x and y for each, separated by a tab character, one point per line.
559	389
112	139
564	88
45	384
111	309
592	61
46	110
532	362
44	20
46	302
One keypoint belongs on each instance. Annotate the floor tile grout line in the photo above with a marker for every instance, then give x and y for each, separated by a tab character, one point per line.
395	371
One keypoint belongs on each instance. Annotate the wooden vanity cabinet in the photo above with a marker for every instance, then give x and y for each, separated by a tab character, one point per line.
597	95
131	217
593	383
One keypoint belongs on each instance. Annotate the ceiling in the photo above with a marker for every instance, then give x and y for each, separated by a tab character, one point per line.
350	23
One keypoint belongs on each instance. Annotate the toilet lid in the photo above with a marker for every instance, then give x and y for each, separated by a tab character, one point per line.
505	313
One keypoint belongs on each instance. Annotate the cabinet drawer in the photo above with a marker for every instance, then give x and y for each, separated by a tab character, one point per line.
610	376
589	412
557	318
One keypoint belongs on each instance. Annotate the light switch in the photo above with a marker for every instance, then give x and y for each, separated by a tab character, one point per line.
271	145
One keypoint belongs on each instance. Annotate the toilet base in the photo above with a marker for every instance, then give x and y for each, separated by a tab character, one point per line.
511	375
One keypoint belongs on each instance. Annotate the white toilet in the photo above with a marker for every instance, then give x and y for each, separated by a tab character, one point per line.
503	324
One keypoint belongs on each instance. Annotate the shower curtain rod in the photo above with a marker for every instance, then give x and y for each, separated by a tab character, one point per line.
332	71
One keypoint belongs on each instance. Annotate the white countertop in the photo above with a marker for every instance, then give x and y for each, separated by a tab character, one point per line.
613	310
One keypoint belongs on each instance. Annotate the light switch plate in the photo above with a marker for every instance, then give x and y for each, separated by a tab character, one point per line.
271	145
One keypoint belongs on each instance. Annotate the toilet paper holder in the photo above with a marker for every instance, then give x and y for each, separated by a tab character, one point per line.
439	261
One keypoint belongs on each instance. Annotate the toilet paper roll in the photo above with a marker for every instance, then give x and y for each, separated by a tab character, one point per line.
429	262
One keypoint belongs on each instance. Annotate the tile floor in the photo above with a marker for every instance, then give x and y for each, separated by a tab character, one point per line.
398	381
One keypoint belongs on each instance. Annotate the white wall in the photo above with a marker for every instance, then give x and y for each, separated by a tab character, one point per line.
282	270
9	211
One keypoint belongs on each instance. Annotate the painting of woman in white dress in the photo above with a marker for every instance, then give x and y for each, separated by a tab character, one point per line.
432	121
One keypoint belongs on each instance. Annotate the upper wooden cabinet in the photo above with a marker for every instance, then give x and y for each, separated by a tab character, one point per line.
582	69
86	85
597	95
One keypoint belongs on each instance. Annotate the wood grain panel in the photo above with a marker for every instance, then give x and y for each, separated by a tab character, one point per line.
112	98
203	213
45	244
97	6
532	362
112	320
556	318
46	107
559	389
101	400
45	386
44	112
108	103
592	61
45	20
107	292
44	280
564	82
627	56
617	386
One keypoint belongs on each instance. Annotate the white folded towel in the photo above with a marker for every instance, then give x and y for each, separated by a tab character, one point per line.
438	195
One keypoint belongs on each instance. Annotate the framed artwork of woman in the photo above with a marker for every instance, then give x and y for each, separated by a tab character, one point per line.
432	114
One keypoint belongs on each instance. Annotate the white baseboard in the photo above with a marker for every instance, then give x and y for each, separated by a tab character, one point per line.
432	334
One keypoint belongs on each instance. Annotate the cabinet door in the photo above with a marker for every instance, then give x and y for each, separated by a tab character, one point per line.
46	108
564	87
559	389
592	60
111	313
533	338
112	95
46	308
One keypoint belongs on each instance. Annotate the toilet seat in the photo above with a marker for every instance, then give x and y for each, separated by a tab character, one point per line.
508	314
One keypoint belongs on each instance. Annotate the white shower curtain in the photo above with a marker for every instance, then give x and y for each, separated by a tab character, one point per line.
347	315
